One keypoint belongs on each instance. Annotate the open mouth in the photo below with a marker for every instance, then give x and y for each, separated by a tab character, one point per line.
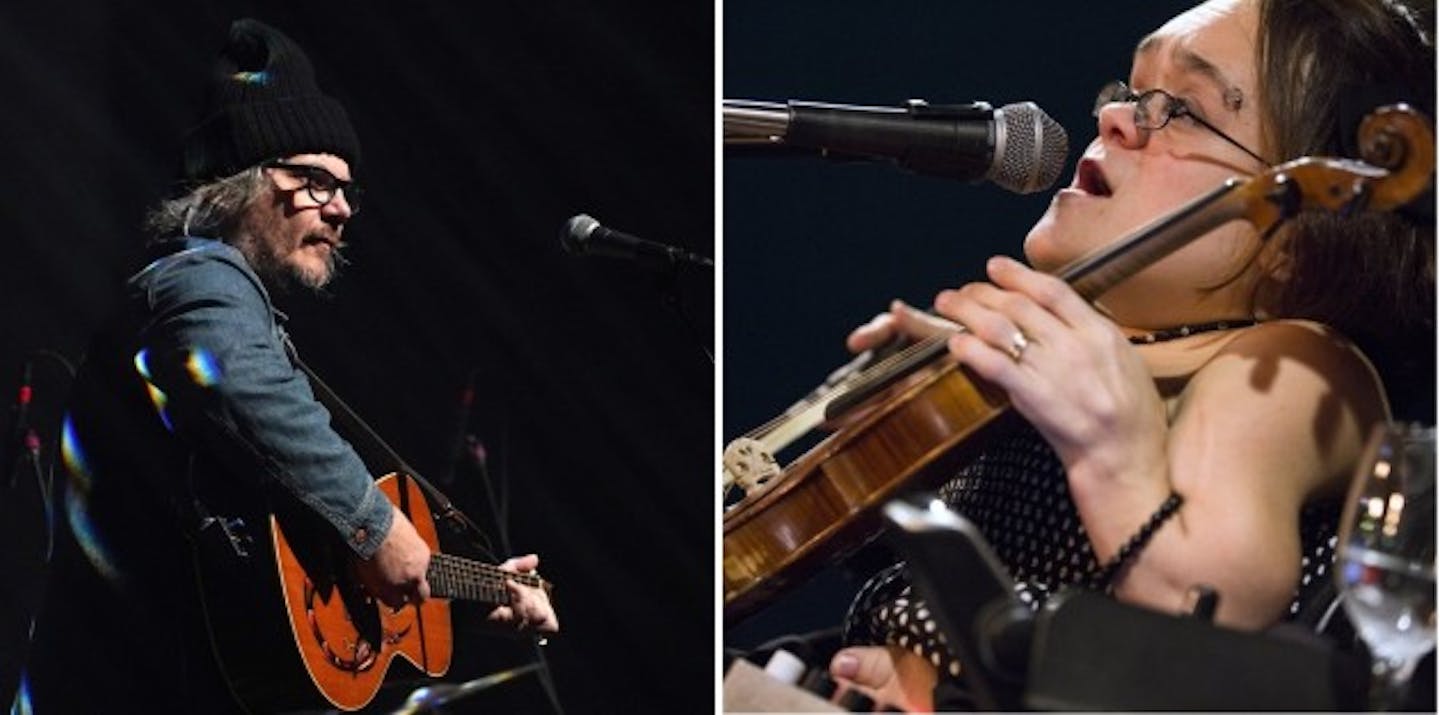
1090	179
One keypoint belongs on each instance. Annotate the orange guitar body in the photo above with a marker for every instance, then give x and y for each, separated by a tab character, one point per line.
322	643
346	667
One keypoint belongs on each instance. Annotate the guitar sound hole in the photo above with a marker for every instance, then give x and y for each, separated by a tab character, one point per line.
355	653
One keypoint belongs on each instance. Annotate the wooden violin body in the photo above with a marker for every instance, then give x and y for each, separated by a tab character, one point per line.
832	495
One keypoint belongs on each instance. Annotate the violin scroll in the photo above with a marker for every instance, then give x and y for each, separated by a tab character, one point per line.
1397	164
1401	140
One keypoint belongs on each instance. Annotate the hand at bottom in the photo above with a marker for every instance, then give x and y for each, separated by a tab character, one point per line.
889	675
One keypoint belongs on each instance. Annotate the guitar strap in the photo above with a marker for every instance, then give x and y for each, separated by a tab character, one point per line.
200	523
373	450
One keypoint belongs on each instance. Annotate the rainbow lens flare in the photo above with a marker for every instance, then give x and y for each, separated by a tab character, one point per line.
79	486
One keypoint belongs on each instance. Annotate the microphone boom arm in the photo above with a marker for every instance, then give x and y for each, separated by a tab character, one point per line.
748	122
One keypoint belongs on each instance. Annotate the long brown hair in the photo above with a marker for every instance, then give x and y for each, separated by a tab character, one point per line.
1323	64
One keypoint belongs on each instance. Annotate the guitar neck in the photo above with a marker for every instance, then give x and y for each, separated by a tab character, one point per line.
456	577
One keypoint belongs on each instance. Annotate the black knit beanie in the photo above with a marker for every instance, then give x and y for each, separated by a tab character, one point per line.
263	103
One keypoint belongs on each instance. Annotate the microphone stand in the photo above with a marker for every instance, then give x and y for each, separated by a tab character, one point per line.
26	511
374	449
499	514
583	234
668	283
432	698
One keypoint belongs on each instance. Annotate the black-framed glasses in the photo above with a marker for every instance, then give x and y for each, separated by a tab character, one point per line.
321	185
1154	108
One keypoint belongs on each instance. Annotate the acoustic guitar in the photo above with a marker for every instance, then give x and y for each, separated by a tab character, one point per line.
308	635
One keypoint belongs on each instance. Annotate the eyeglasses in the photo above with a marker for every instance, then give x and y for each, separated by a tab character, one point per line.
321	185
1154	108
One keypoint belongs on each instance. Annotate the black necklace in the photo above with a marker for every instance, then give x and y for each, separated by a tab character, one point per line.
1185	331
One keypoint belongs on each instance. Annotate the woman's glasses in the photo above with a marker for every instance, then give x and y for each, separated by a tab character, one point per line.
1154	108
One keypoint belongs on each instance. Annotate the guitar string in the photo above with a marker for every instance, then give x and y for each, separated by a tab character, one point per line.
484	569
471	567
454	579
464	575
477	579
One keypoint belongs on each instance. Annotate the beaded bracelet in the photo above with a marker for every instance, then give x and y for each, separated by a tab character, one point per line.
1105	577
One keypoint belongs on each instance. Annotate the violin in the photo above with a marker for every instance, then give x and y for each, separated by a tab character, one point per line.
925	415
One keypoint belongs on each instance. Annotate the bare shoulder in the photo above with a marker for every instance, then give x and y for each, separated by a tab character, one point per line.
1304	351
1300	394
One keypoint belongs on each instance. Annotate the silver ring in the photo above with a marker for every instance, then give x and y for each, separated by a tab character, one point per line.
1018	343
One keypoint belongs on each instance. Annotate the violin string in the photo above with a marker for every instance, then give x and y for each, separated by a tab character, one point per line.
903	358
882	368
823	392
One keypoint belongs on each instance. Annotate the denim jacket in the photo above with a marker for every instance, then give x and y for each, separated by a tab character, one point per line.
212	344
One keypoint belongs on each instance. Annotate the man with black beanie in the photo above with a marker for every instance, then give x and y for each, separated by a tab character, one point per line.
191	415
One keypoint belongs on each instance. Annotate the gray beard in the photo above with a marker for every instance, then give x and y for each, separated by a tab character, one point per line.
282	278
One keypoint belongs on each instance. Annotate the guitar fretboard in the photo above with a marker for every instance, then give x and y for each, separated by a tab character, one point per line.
469	580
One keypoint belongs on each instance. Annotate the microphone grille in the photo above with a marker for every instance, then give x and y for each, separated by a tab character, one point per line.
1031	148
575	234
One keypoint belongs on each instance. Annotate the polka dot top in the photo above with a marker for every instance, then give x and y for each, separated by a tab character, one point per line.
1017	496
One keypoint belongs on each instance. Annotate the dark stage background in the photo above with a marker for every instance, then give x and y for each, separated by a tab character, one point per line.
484	127
814	249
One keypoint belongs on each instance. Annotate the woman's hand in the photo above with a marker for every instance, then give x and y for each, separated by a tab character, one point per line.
1067	369
889	675
901	320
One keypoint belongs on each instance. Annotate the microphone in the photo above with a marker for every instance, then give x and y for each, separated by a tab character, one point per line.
583	235
1017	146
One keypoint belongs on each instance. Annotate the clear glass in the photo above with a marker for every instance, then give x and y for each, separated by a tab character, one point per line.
1386	554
